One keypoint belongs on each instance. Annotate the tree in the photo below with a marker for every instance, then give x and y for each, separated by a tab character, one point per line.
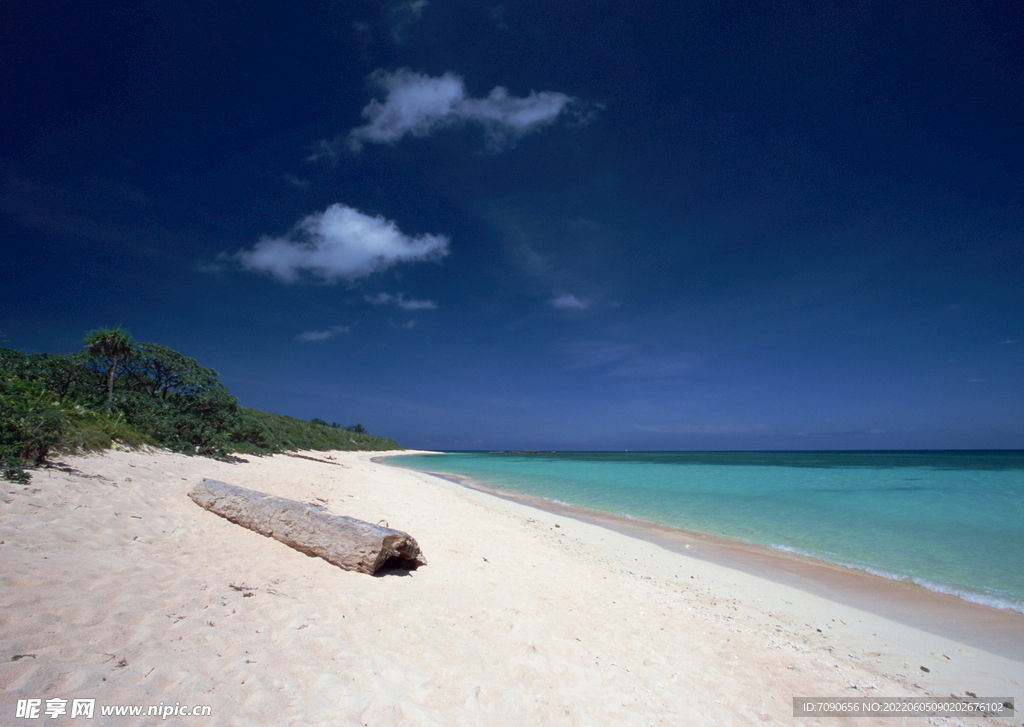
173	399
111	345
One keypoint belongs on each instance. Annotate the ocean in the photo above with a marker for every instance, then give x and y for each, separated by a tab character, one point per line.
950	521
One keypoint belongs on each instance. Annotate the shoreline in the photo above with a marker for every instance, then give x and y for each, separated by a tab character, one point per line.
997	630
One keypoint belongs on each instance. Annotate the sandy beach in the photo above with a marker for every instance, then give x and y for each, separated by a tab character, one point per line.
118	588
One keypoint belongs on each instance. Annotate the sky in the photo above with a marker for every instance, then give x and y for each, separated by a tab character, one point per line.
577	225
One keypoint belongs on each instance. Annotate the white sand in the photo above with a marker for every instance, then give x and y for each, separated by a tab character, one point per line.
121	589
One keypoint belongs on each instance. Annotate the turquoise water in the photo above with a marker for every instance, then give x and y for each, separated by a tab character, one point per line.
950	521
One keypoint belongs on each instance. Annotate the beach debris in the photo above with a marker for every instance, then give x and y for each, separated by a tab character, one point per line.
343	541
246	591
313	459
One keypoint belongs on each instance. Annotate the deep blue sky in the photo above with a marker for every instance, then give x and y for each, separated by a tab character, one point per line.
573	225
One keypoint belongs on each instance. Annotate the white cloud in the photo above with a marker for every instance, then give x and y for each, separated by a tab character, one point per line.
401	301
420	105
570	302
322	335
339	243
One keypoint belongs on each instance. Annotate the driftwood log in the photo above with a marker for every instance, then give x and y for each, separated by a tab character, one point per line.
343	541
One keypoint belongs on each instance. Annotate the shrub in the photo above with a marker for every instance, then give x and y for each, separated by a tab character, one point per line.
32	422
94	431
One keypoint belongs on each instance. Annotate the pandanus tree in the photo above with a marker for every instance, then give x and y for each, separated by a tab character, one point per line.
110	346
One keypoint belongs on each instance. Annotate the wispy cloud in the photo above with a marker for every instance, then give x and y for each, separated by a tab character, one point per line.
324	335
419	105
339	243
552	258
498	16
626	359
567	301
403	14
591	354
401	301
104	210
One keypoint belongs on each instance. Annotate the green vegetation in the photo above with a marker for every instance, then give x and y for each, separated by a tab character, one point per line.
120	393
32	422
262	433
110	346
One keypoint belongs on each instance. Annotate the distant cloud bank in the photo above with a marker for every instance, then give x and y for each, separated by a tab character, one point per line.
705	429
339	243
419	105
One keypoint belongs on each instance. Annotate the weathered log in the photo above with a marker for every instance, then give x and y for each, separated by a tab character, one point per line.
343	541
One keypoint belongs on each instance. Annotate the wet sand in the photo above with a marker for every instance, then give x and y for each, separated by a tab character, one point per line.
995	630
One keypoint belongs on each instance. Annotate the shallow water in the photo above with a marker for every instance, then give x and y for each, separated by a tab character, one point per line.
950	521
